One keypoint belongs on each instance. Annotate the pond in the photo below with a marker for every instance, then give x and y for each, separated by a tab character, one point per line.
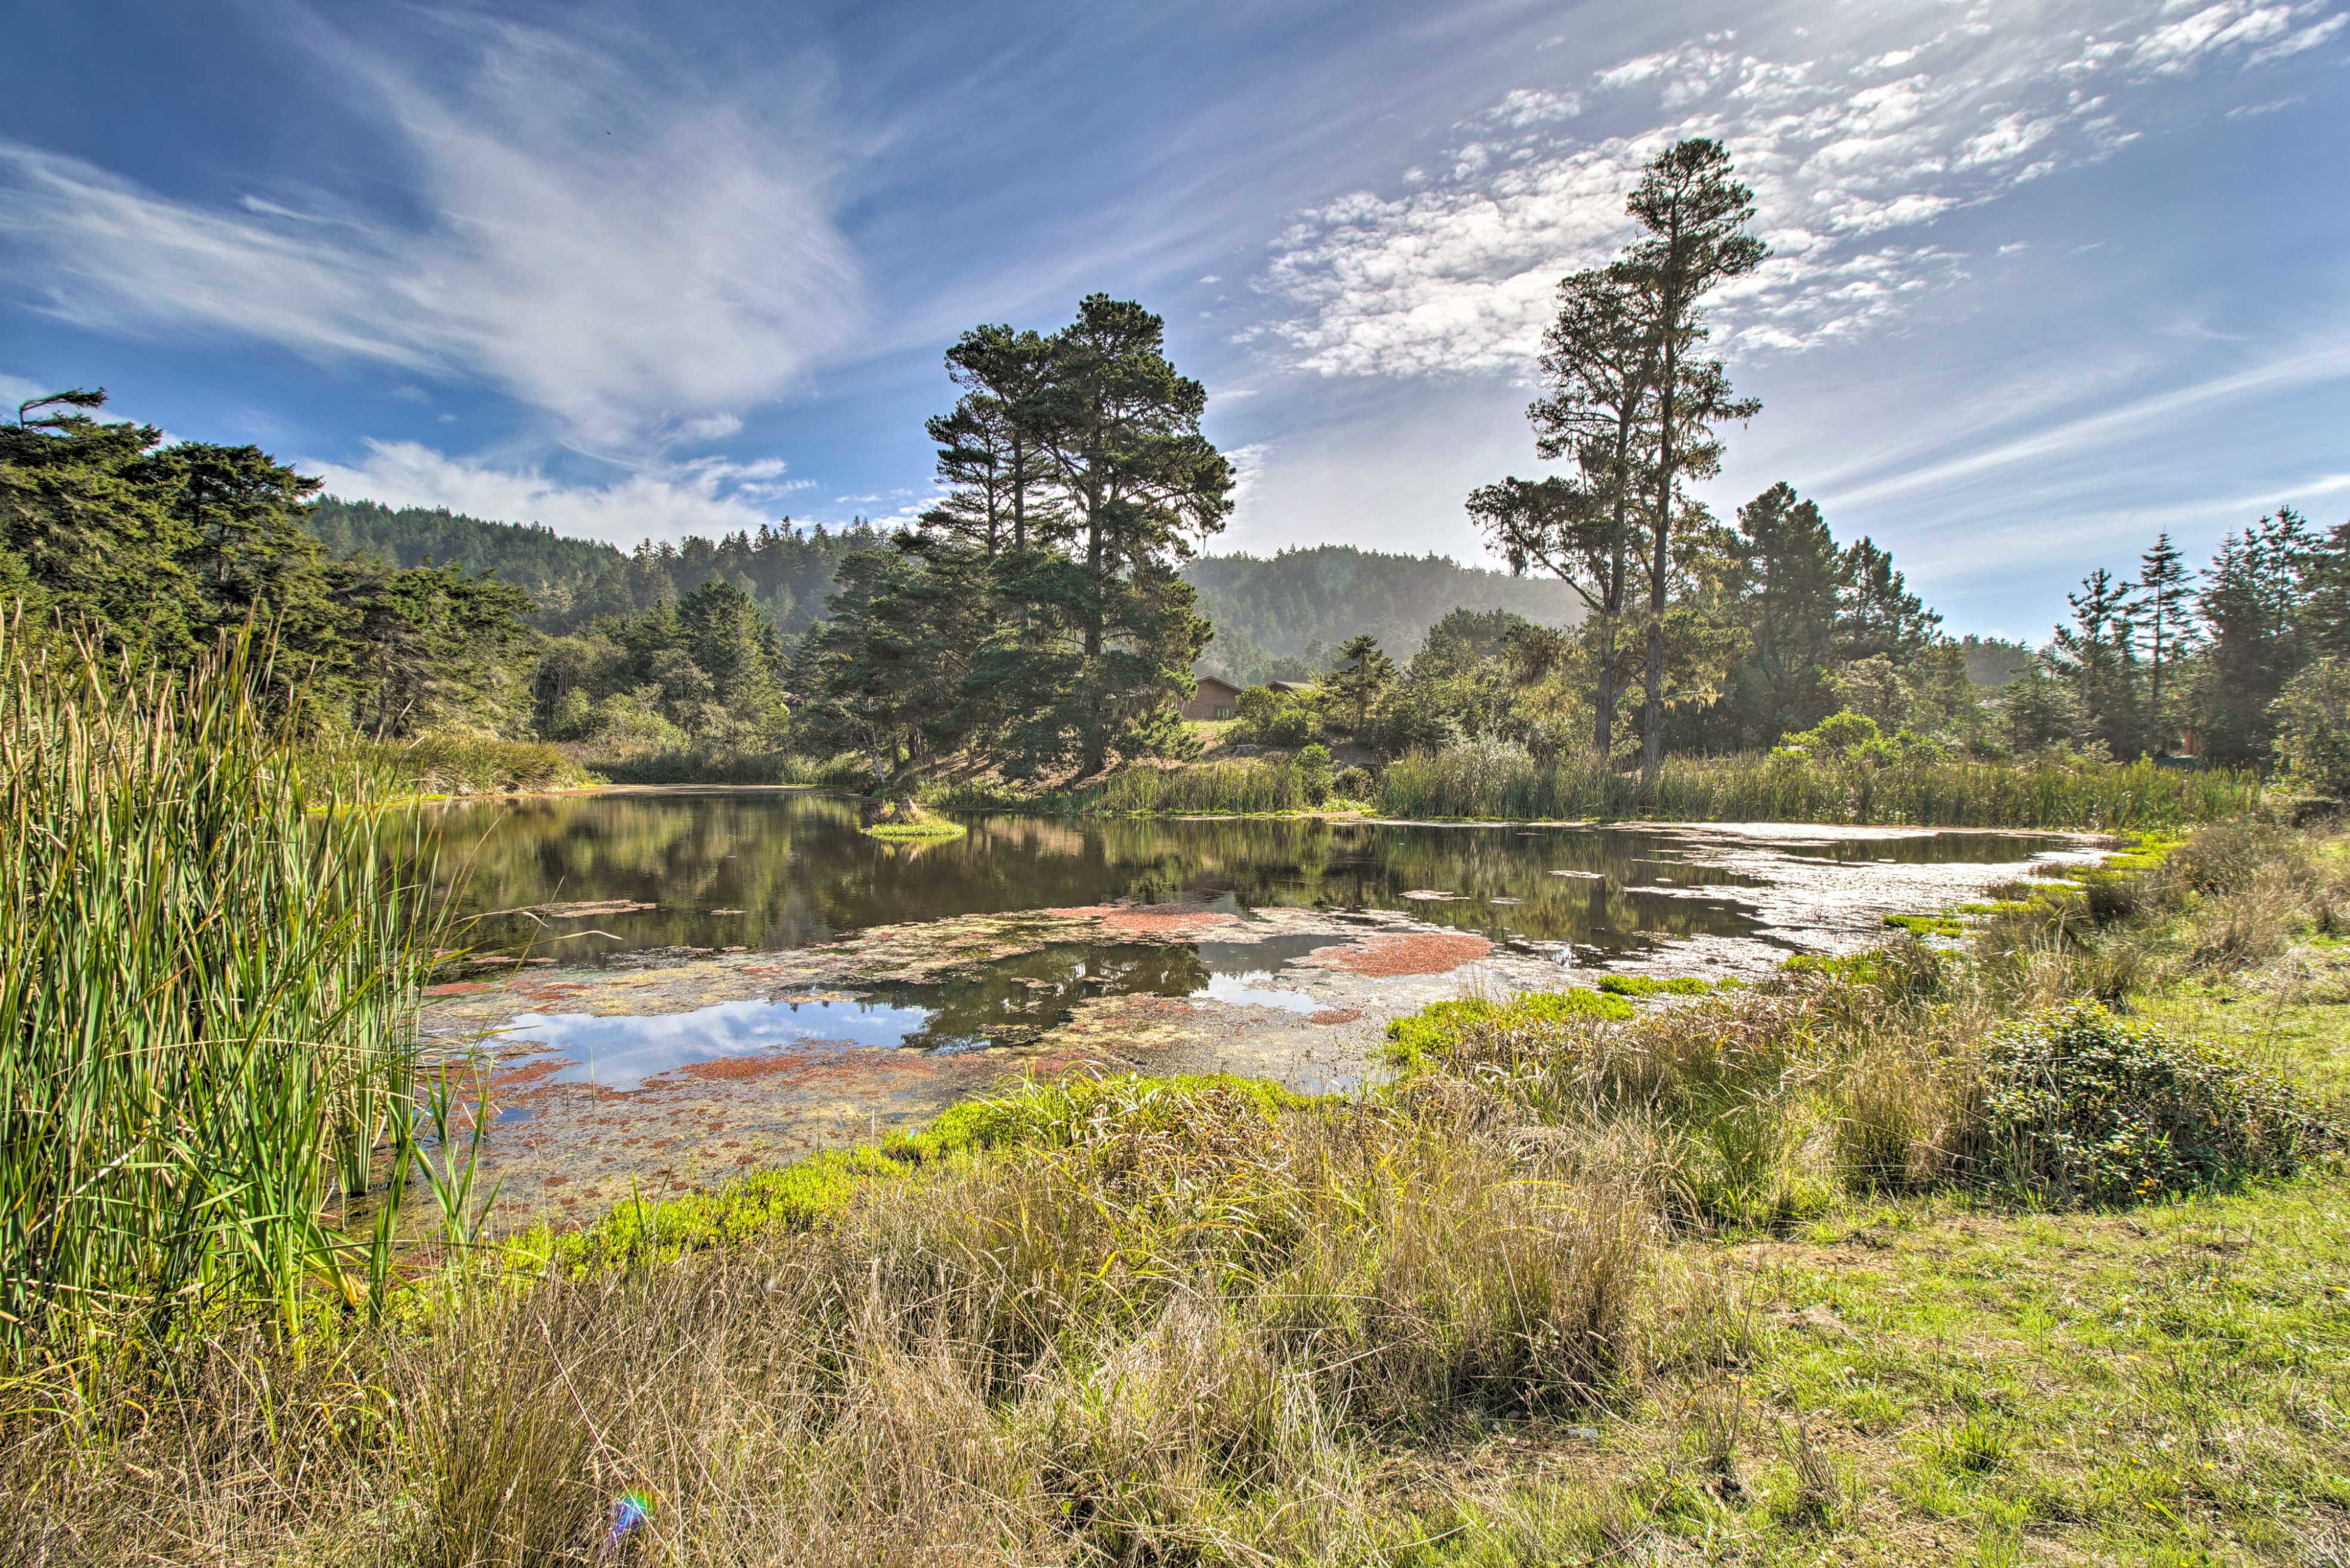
678	984
586	878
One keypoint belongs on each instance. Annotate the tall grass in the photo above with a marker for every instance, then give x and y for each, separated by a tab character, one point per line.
447	764
207	987
1497	781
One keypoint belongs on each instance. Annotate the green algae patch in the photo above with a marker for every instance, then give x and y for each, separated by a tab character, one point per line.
805	1194
1926	924
930	830
1649	985
1436	1028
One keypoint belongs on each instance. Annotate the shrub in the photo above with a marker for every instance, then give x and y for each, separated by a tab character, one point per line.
1273	718
1354	783
2087	1108
2313	715
1313	774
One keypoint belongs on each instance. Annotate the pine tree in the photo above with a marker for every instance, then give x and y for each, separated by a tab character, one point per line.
2165	610
2253	603
1696	216
2097	657
1360	678
1792	574
1600	356
1120	428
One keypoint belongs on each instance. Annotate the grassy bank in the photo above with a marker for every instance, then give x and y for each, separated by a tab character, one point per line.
1503	782
1941	1254
207	989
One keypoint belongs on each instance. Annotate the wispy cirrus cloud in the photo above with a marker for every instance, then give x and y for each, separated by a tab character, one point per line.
706	496
633	255
1854	149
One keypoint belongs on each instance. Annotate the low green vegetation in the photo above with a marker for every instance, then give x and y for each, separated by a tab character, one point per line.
930	830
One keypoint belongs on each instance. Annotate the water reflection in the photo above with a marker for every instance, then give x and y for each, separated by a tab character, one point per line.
1007	1002
786	870
622	1053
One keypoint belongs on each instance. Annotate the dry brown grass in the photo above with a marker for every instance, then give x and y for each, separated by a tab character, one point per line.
1187	1338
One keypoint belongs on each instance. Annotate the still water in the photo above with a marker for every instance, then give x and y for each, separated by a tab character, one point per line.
586	879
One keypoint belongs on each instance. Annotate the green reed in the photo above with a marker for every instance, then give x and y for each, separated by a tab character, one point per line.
1505	782
209	972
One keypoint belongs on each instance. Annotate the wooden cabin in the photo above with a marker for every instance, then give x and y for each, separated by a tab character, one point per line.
1214	699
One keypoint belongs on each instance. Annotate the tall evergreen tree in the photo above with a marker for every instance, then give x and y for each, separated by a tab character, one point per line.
991	453
1120	428
1360	678
2253	603
2097	657
1792	578
1879	617
1695	216
2165	612
1600	356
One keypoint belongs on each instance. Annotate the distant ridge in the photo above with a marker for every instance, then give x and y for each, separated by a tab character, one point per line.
1275	616
1281	615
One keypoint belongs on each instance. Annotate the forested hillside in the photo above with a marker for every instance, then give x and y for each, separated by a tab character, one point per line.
1274	618
787	571
1283	617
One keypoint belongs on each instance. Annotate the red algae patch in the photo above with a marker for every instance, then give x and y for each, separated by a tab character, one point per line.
733	1069
459	987
1335	1015
529	1075
1419	954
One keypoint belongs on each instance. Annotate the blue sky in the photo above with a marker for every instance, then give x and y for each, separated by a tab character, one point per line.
2046	277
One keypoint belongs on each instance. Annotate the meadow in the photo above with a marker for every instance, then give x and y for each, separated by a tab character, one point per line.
2023	1246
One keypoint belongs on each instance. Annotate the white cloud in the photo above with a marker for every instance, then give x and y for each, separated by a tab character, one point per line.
1523	106
1846	151
1248	469
707	497
2254	110
629	253
2134	418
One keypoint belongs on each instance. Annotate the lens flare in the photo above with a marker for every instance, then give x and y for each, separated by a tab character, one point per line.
629	1509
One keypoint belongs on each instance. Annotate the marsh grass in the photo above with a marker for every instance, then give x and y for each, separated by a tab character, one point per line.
208	971
1504	782
1150	1324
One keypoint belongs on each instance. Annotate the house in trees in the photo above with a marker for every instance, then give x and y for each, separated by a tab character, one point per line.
1214	699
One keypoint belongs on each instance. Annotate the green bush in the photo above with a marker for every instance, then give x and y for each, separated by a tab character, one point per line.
1313	774
2313	715
2082	1108
1273	718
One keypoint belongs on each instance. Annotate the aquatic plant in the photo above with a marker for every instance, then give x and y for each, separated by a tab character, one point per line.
208	972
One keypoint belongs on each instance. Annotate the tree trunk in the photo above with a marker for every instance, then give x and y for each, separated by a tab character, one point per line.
1652	711
1603	724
